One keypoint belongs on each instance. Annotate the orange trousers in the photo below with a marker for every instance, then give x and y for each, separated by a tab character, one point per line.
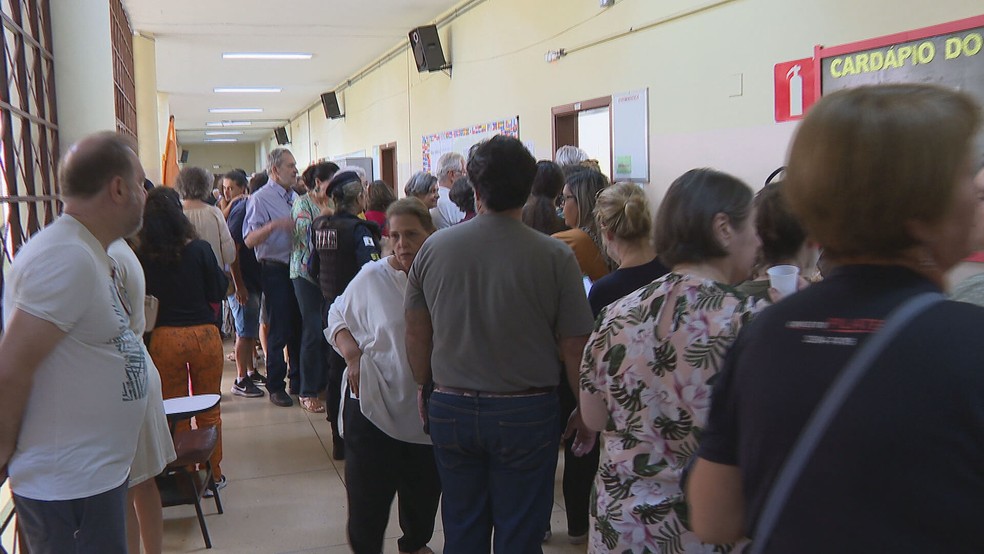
189	360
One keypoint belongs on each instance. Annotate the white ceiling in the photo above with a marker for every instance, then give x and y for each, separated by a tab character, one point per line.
191	35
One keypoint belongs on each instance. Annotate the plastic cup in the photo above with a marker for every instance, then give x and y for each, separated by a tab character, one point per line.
783	278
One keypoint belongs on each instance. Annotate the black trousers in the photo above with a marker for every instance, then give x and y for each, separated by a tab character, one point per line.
377	467
284	320
579	472
336	368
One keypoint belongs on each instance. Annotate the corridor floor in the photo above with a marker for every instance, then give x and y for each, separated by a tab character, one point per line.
285	493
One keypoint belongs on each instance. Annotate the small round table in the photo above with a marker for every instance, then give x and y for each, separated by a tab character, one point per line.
186	407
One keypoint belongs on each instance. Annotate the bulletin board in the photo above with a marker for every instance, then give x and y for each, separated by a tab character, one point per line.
630	136
461	140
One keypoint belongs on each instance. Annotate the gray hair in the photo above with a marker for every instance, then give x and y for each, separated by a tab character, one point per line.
354	169
570	155
194	183
348	200
448	162
420	184
275	155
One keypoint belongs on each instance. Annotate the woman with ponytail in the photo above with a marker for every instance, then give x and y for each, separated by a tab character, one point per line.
625	223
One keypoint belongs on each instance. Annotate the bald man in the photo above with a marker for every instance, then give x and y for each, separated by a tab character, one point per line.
73	376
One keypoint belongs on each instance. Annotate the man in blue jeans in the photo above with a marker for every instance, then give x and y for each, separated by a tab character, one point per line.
489	304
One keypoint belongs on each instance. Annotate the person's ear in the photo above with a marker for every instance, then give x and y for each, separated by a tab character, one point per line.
722	229
118	189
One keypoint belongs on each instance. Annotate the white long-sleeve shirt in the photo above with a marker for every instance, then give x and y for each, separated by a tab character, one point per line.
371	308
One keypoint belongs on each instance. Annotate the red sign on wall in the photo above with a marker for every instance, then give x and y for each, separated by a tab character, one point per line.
796	89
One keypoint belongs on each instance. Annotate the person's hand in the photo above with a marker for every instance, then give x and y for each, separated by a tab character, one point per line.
242	296
353	375
584	438
775	295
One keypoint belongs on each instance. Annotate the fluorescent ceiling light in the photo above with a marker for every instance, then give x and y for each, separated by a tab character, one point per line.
228	123
235	110
221	140
246	89
266	56
219	133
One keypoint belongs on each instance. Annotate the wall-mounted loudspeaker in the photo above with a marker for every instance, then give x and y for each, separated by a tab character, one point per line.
426	45
281	134
330	102
184	156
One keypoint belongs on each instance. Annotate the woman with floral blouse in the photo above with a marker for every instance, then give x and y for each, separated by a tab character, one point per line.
645	377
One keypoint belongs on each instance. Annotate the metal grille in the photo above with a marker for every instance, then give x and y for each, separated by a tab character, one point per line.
125	90
28	125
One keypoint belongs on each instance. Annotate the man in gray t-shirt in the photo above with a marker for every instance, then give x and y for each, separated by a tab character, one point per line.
495	311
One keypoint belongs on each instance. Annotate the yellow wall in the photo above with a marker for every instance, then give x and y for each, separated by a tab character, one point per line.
689	63
226	156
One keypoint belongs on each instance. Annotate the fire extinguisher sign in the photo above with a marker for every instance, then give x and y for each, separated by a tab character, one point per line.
795	89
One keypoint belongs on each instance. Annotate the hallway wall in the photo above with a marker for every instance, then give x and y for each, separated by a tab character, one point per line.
692	64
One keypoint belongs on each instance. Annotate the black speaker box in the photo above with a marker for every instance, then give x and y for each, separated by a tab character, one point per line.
330	102
184	156
281	134
426	45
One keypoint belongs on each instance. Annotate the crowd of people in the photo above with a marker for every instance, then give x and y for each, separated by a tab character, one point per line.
508	308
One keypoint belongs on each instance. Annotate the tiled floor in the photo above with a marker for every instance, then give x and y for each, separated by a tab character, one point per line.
285	493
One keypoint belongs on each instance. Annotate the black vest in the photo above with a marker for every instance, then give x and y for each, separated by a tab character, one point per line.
333	239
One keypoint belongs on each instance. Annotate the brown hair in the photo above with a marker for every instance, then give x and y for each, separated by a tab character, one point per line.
380	196
781	233
412	206
623	209
94	161
685	220
867	160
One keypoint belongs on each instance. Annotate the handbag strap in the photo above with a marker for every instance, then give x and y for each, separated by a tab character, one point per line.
824	413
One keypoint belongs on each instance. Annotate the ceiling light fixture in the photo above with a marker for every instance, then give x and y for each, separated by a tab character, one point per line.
247	89
235	110
266	56
220	133
221	140
228	123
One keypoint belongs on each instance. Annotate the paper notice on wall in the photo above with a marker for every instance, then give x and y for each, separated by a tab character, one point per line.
630	135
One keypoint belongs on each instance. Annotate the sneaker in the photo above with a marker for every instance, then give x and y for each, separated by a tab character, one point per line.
220	484
257	378
282	399
246	387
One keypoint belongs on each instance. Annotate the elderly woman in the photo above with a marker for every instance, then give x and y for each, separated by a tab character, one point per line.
645	373
579	194
306	208
182	273
366	326
882	178
423	186
195	187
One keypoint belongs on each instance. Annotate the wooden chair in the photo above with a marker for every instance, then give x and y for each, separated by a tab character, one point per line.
181	484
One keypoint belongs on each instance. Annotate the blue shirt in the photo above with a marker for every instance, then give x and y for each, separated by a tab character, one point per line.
248	265
268	203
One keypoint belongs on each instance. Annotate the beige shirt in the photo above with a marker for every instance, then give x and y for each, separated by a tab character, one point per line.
211	228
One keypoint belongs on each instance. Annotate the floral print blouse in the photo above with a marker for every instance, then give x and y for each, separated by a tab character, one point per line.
652	370
304	211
